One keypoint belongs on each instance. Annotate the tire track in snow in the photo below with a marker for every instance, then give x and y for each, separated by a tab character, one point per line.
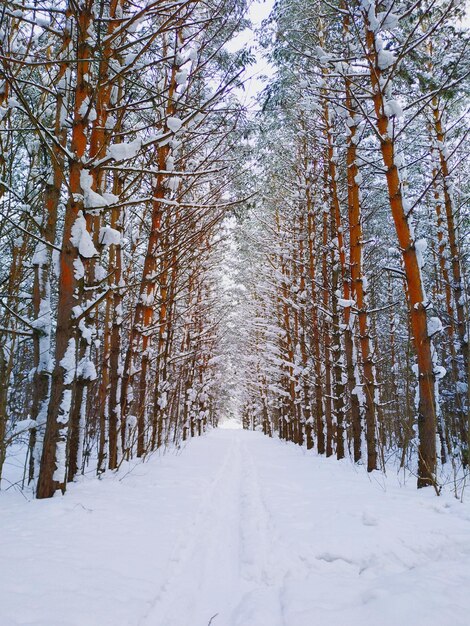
233	548
270	559
203	548
261	603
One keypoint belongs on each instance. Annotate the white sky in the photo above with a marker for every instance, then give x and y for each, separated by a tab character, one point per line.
258	11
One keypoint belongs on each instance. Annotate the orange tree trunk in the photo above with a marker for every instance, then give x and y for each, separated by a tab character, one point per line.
326	331
53	465
140	339
340	271
311	229
358	293
41	285
414	285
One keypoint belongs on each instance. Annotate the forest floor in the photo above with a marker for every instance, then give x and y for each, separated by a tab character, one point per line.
236	530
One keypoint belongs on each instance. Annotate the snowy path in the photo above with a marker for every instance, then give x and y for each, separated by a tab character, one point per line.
242	529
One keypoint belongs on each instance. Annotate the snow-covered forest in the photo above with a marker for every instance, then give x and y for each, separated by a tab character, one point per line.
170	256
273	233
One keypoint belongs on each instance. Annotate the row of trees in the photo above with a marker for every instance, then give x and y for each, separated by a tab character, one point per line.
360	335
331	307
116	127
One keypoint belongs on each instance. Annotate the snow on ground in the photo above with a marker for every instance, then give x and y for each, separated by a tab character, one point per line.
240	529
